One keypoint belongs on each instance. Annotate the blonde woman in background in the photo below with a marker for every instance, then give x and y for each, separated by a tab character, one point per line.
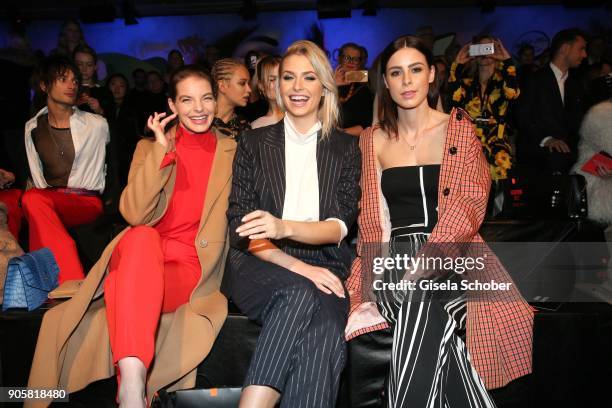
267	76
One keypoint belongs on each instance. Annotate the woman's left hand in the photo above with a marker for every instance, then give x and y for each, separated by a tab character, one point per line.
261	224
501	53
94	104
603	172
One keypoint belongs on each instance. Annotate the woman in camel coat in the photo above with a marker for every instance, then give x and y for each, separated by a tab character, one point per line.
74	344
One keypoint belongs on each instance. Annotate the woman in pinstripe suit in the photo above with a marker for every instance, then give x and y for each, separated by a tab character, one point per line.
425	185
295	192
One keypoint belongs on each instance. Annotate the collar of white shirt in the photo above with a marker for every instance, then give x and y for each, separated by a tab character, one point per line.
296	136
561	77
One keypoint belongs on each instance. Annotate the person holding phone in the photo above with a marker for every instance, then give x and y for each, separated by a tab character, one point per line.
92	97
356	99
295	190
485	96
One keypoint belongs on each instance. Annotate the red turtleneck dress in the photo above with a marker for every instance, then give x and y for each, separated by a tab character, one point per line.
153	270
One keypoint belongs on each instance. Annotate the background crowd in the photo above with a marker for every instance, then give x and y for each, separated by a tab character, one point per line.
530	111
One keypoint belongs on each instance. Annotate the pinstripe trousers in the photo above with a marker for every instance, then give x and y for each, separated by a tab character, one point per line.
301	350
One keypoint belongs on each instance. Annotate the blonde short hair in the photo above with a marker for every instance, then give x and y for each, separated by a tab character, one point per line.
329	112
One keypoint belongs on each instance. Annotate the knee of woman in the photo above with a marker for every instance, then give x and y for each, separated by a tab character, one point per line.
303	296
335	328
140	237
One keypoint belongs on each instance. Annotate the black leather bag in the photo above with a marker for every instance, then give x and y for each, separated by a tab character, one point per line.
197	398
562	196
576	196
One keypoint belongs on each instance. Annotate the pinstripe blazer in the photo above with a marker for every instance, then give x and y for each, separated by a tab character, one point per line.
499	325
259	184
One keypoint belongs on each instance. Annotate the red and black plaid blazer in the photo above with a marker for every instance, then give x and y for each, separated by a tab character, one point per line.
499	326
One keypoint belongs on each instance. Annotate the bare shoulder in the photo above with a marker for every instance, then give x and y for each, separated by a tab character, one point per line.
379	139
439	128
440	120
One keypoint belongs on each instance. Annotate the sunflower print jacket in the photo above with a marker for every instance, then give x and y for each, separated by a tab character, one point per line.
502	88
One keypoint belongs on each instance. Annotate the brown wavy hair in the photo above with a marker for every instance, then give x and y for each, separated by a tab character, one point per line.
387	108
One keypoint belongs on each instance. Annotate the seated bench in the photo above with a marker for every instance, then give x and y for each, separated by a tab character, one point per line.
572	361
572	355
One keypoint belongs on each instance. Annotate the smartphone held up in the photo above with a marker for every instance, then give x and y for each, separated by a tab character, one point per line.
478	50
356	76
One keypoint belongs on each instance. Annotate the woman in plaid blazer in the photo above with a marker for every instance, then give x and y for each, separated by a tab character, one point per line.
450	346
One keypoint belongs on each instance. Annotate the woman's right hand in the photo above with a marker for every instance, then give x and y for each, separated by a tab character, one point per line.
339	76
604	172
157	124
463	56
323	279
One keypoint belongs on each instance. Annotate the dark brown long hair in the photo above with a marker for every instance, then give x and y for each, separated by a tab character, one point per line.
184	72
177	76
387	108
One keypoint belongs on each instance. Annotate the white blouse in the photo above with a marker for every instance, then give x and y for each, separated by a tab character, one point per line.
301	176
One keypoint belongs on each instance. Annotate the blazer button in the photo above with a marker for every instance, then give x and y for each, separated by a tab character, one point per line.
203	243
446	191
452	150
459	116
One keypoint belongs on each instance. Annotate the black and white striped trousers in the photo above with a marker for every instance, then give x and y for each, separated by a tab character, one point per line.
301	350
430	364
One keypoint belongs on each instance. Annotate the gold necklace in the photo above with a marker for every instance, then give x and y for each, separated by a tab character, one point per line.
413	147
418	139
51	131
61	149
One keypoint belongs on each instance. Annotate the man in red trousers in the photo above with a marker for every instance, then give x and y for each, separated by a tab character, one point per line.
66	150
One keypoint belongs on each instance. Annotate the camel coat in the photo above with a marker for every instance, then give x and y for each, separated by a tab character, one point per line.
73	348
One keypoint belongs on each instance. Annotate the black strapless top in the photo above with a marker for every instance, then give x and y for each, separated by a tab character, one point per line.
411	193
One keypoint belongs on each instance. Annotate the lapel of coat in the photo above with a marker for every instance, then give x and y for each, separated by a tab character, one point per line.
220	173
273	165
326	161
451	165
169	187
555	88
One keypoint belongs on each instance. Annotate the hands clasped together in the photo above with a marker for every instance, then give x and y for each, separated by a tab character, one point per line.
261	224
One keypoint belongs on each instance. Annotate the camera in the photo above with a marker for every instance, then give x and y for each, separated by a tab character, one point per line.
356	76
477	50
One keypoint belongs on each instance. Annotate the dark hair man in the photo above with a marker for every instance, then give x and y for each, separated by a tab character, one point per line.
552	106
66	151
